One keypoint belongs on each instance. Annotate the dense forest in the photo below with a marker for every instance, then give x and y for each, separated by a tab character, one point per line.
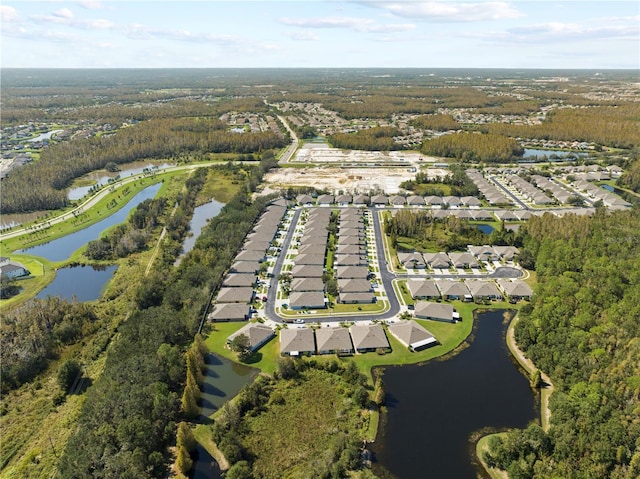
474	147
40	185
436	122
129	416
616	126
582	329
379	138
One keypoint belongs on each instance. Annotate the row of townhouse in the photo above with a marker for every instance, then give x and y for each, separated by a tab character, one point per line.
234	298
384	200
468	290
463	259
359	338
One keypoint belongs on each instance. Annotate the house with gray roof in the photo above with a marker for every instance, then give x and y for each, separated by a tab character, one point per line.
12	269
413	260
437	260
397	200
515	290
305	200
307	271
229	312
453	290
251	255
463	260
356	298
325	200
379	200
344	272
350	260
256	245
313	259
435	311
351	249
235	280
307	300
433	200
483	289
313	249
360	200
258	335
354	285
415	200
245	267
344	200
412	335
307	284
423	289
333	340
297	342
368	337
235	295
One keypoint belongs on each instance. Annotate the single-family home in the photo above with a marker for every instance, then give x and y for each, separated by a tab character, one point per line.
368	337
397	200
515	290
415	200
258	335
245	267
413	260
483	289
463	260
307	300
412	335
325	200
356	298
354	285
344	272
235	295
333	340
12	269
435	311
423	289
297	342
229	312
307	284
453	290
379	200
235	280
437	260
344	200
251	255
304	200
307	271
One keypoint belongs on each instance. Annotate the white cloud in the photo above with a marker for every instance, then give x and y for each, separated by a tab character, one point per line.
449	11
350	23
63	13
8	14
304	36
90	4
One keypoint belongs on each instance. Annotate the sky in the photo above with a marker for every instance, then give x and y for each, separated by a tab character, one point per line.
313	33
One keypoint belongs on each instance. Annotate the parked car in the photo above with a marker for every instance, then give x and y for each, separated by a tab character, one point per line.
298	321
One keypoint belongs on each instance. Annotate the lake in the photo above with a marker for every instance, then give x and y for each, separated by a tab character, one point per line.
44	136
61	248
85	283
434	408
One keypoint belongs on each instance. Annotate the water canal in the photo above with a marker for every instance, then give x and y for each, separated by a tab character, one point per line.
62	248
433	409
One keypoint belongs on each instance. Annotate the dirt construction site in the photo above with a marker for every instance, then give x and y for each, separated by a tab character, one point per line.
350	171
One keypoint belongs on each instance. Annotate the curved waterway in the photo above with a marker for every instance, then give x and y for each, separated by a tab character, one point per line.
61	248
223	380
201	216
433	409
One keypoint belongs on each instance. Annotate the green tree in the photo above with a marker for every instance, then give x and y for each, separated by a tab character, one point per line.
241	345
67	374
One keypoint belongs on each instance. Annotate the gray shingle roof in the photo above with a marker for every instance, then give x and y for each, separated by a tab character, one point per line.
298	340
368	336
412	334
333	339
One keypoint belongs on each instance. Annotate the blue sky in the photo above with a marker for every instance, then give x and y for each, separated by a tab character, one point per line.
309	33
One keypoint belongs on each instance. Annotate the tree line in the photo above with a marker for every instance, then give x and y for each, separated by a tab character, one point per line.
40	185
379	138
474	147
582	329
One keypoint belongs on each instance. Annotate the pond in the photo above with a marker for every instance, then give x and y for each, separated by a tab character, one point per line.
102	178
61	248
44	136
434	408
562	154
84	283
201	215
223	380
486	229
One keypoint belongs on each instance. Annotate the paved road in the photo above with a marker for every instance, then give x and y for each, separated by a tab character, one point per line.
509	194
286	157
